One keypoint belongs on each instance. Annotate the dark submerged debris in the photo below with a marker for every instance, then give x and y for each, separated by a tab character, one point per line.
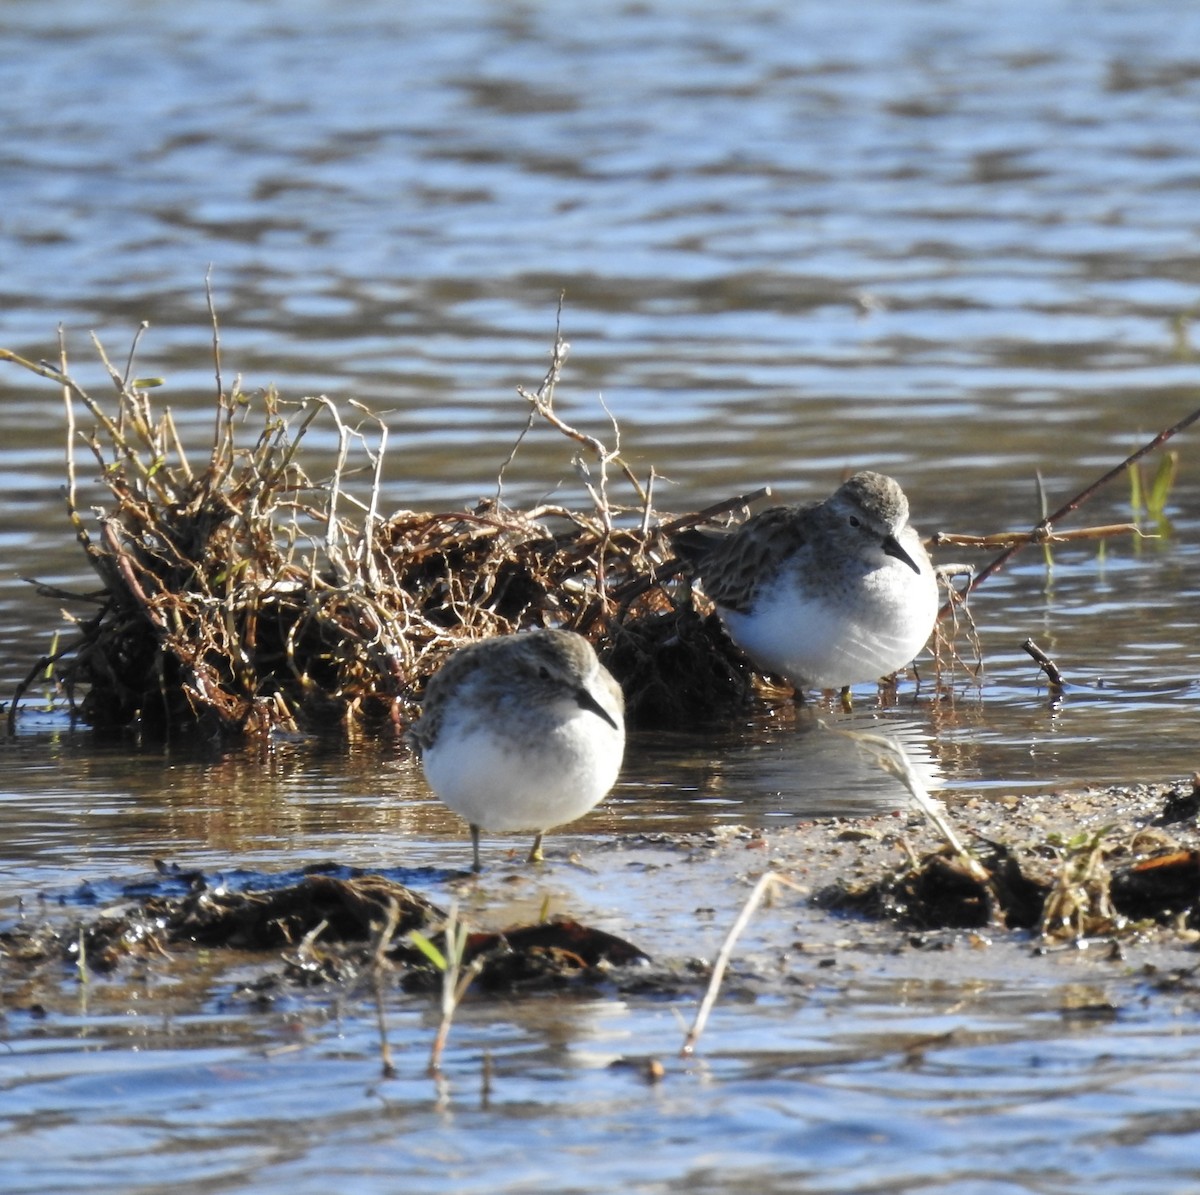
325	930
345	909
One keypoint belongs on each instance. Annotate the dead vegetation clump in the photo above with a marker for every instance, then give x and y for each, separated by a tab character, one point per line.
240	595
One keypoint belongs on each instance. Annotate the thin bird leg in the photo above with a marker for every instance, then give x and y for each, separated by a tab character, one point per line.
535	851
477	867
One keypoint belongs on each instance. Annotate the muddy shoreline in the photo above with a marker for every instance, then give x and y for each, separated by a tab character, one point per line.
856	910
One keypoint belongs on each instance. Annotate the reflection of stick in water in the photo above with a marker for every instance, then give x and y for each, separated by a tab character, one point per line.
889	753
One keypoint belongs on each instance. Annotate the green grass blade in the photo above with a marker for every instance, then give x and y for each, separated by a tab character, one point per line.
428	949
1161	486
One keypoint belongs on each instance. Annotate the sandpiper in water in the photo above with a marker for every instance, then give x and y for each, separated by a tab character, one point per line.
521	732
827	594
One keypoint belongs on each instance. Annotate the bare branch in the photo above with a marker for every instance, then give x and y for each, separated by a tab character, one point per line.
1038	533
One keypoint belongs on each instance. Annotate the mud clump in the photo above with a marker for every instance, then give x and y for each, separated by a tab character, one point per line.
325	928
1065	885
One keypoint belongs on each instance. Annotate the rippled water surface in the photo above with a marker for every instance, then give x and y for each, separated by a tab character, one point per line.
954	242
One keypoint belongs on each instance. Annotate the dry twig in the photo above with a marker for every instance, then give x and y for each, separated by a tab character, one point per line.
767	885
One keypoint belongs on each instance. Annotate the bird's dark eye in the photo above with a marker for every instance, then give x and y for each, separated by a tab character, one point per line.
855	521
544	672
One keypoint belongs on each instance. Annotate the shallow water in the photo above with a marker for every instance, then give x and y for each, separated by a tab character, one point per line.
818	1103
903	236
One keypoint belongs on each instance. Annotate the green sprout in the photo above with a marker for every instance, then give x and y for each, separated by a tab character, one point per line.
1149	495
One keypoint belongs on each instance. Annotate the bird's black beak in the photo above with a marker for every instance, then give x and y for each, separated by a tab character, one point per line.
588	702
891	547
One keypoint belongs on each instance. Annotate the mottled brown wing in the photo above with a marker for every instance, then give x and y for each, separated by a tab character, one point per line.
422	734
738	563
